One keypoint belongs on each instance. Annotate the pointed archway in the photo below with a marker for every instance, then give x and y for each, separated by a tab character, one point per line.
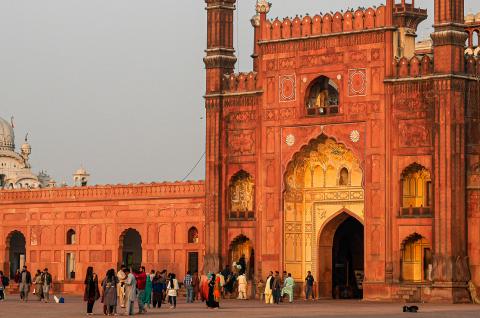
16	252
341	257
130	251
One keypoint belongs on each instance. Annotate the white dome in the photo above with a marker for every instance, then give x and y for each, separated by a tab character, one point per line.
7	136
470	18
477	17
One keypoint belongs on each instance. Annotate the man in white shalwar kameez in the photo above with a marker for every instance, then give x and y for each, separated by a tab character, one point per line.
269	289
242	287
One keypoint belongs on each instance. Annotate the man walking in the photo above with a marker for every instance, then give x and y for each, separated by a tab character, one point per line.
47	284
309	280
25	282
187	282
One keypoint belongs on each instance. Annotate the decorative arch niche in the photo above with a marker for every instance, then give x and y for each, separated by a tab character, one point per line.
416	260
241	196
416	191
313	193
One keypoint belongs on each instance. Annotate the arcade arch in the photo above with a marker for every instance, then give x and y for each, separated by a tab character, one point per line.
16	251
130	244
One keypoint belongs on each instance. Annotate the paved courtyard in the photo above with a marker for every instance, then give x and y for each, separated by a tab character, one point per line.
74	307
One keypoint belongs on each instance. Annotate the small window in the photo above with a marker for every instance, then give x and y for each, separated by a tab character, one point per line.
323	98
193	235
343	179
71	239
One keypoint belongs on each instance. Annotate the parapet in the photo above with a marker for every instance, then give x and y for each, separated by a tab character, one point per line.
340	22
240	82
189	189
417	66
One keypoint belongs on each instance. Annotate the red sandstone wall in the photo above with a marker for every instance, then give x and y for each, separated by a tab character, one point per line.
161	213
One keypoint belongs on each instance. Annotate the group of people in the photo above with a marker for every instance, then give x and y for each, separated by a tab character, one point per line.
276	287
41	283
127	286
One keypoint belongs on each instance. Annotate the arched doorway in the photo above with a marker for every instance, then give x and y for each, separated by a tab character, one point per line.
16	251
242	253
341	257
131	248
347	260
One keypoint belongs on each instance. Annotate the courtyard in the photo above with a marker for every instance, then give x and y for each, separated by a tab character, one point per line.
75	307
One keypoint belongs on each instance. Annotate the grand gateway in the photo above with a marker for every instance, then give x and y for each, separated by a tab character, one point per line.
350	151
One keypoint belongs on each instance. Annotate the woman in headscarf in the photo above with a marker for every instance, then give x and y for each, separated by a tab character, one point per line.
109	286
92	292
213	292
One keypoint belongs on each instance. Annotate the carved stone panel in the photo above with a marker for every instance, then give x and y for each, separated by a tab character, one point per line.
241	142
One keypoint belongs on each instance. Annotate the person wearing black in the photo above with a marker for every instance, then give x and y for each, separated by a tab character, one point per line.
92	293
277	288
212	301
309	280
229	280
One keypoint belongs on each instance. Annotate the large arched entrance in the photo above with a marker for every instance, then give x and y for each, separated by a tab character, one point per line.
241	252
347	260
16	251
323	199
131	248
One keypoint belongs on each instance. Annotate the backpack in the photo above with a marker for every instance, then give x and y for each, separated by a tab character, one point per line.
5	281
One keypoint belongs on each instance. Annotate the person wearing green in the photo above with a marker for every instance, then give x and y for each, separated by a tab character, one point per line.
147	296
288	286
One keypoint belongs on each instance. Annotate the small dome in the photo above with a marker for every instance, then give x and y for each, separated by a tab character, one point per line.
477	17
7	136
81	172
470	18
26	148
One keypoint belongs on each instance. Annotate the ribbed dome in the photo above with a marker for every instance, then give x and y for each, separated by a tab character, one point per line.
7	136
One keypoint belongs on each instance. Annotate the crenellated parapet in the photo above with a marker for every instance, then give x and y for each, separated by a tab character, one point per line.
414	67
240	82
339	22
165	190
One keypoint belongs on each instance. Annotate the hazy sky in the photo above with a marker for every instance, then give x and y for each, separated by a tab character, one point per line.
117	85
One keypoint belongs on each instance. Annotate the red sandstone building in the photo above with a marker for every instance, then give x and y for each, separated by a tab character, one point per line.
345	152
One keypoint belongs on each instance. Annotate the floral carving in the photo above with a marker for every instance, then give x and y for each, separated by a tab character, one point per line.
241	142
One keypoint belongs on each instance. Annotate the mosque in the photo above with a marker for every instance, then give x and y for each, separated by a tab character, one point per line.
350	150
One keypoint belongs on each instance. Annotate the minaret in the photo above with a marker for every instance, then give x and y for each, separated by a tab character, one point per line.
219	61
450	263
